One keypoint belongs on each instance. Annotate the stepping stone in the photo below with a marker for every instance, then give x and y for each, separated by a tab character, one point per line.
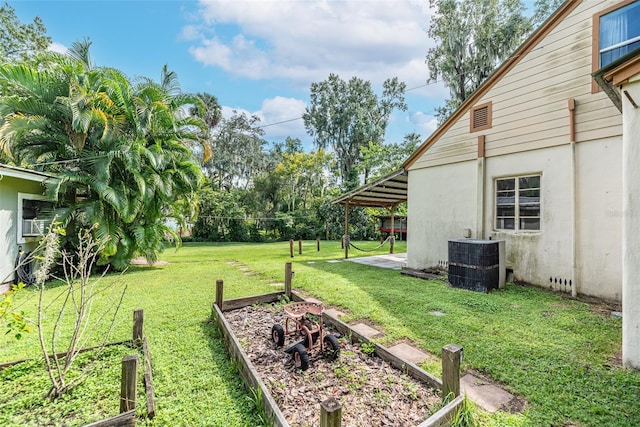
333	312
437	313
485	394
409	352
365	330
277	284
311	262
334	261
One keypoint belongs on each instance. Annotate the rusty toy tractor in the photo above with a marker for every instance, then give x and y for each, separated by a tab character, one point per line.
311	333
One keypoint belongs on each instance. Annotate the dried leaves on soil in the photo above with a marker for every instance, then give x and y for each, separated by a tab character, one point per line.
371	391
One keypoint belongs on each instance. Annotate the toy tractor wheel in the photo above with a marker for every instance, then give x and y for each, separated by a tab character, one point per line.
331	347
300	357
277	335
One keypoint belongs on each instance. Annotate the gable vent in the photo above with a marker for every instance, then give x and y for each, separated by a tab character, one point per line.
481	117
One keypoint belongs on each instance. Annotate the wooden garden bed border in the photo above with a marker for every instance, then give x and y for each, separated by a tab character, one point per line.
251	377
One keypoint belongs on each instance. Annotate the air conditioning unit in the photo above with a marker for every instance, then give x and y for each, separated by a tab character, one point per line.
35	227
477	265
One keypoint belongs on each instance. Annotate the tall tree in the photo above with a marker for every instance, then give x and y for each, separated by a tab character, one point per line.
345	116
238	148
381	159
20	41
473	37
122	150
210	111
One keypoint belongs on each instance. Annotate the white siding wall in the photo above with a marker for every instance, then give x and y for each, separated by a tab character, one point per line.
531	133
535	256
599	214
439	212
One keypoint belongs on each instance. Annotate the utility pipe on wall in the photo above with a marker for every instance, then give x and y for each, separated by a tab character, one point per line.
572	138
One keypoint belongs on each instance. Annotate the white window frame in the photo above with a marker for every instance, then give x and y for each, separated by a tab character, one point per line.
516	217
19	219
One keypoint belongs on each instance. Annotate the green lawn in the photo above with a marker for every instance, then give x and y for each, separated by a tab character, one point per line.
554	352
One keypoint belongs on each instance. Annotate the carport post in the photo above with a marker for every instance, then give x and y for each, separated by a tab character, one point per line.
346	230
392	237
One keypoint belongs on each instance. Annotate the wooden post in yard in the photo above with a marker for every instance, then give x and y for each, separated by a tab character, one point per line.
451	360
287	280
291	247
330	413
128	382
219	293
318	244
138	325
300	247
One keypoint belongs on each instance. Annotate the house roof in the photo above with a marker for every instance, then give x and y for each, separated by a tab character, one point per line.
385	192
617	73
26	174
558	16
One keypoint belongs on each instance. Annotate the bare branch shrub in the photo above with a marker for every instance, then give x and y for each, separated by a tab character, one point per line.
80	291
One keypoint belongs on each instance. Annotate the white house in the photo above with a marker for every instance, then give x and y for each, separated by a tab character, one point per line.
21	197
534	157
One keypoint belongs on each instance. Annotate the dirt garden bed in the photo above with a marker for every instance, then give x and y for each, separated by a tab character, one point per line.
371	391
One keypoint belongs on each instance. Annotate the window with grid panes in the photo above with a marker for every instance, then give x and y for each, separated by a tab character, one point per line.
518	203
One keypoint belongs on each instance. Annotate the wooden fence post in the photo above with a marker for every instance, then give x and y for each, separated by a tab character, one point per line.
287	279
291	247
219	293
330	413
128	382
451	359
318	244
300	247
138	326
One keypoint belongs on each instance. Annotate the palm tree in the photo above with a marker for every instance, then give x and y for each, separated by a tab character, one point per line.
122	150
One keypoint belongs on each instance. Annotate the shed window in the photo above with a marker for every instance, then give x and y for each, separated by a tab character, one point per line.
481	117
518	203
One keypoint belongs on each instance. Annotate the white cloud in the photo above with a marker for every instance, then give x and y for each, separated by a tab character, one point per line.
425	123
57	47
279	116
304	41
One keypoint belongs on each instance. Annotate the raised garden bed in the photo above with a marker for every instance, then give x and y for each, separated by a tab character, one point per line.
374	387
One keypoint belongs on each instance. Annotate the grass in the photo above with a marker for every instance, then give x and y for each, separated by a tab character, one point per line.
551	351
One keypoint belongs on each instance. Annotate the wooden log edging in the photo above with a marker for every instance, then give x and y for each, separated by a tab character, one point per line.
441	418
234	304
246	368
125	419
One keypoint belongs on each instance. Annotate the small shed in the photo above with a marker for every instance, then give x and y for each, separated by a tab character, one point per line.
21	199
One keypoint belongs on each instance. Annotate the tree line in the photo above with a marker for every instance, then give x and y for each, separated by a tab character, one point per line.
136	156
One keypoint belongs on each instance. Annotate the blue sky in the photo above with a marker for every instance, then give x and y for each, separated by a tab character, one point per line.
258	56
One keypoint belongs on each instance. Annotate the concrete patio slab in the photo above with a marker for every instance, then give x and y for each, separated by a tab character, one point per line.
485	394
365	330
393	261
409	353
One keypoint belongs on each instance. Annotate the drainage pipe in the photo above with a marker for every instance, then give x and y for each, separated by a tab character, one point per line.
572	138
